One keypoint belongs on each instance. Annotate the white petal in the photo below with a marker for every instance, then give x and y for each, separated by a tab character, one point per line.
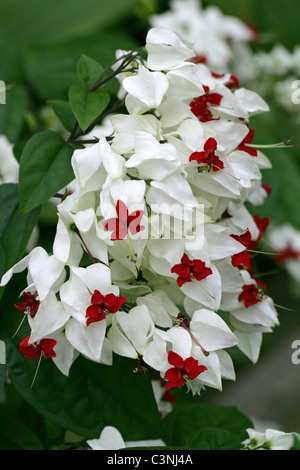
206	292
137	326
251	101
86	162
113	162
96	277
211	331
88	340
155	354
227	368
165	49
110	439
249	344
50	317
119	343
18	267
65	353
148	87
45	270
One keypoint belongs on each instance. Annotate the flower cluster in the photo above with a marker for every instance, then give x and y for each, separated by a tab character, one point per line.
212	33
285	240
152	257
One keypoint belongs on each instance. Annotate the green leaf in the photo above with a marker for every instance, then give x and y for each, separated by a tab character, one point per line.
45	168
92	397
12	113
51	70
21	427
2	377
296	445
88	70
18	149
63	111
15	229
54	20
206	426
87	105
15	435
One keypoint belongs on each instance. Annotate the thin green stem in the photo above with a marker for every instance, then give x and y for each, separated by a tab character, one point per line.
21	323
84	244
36	371
114	108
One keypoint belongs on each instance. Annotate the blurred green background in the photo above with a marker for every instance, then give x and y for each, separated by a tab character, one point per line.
40	44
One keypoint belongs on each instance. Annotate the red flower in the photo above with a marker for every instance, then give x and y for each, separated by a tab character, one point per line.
119	225
262	225
267	188
199	106
208	156
250	295
188	268
35	350
243	259
288	253
183	369
233	82
101	304
29	305
198	59
247	140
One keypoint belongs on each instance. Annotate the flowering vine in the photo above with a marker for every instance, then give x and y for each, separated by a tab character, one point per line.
158	205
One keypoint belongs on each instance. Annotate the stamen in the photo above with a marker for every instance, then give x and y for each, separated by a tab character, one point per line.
206	353
19	326
285	143
36	371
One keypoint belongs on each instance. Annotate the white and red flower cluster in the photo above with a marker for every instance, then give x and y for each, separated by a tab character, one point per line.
152	257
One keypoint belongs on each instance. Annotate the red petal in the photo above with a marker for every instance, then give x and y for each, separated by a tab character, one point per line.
31	351
182	270
242	259
94	313
210	145
175	360
234	82
186	260
217	164
214	99
97	298
200	271
200	157
182	280
245	238
47	345
173	375
190	365
113	303
170	385
198	371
